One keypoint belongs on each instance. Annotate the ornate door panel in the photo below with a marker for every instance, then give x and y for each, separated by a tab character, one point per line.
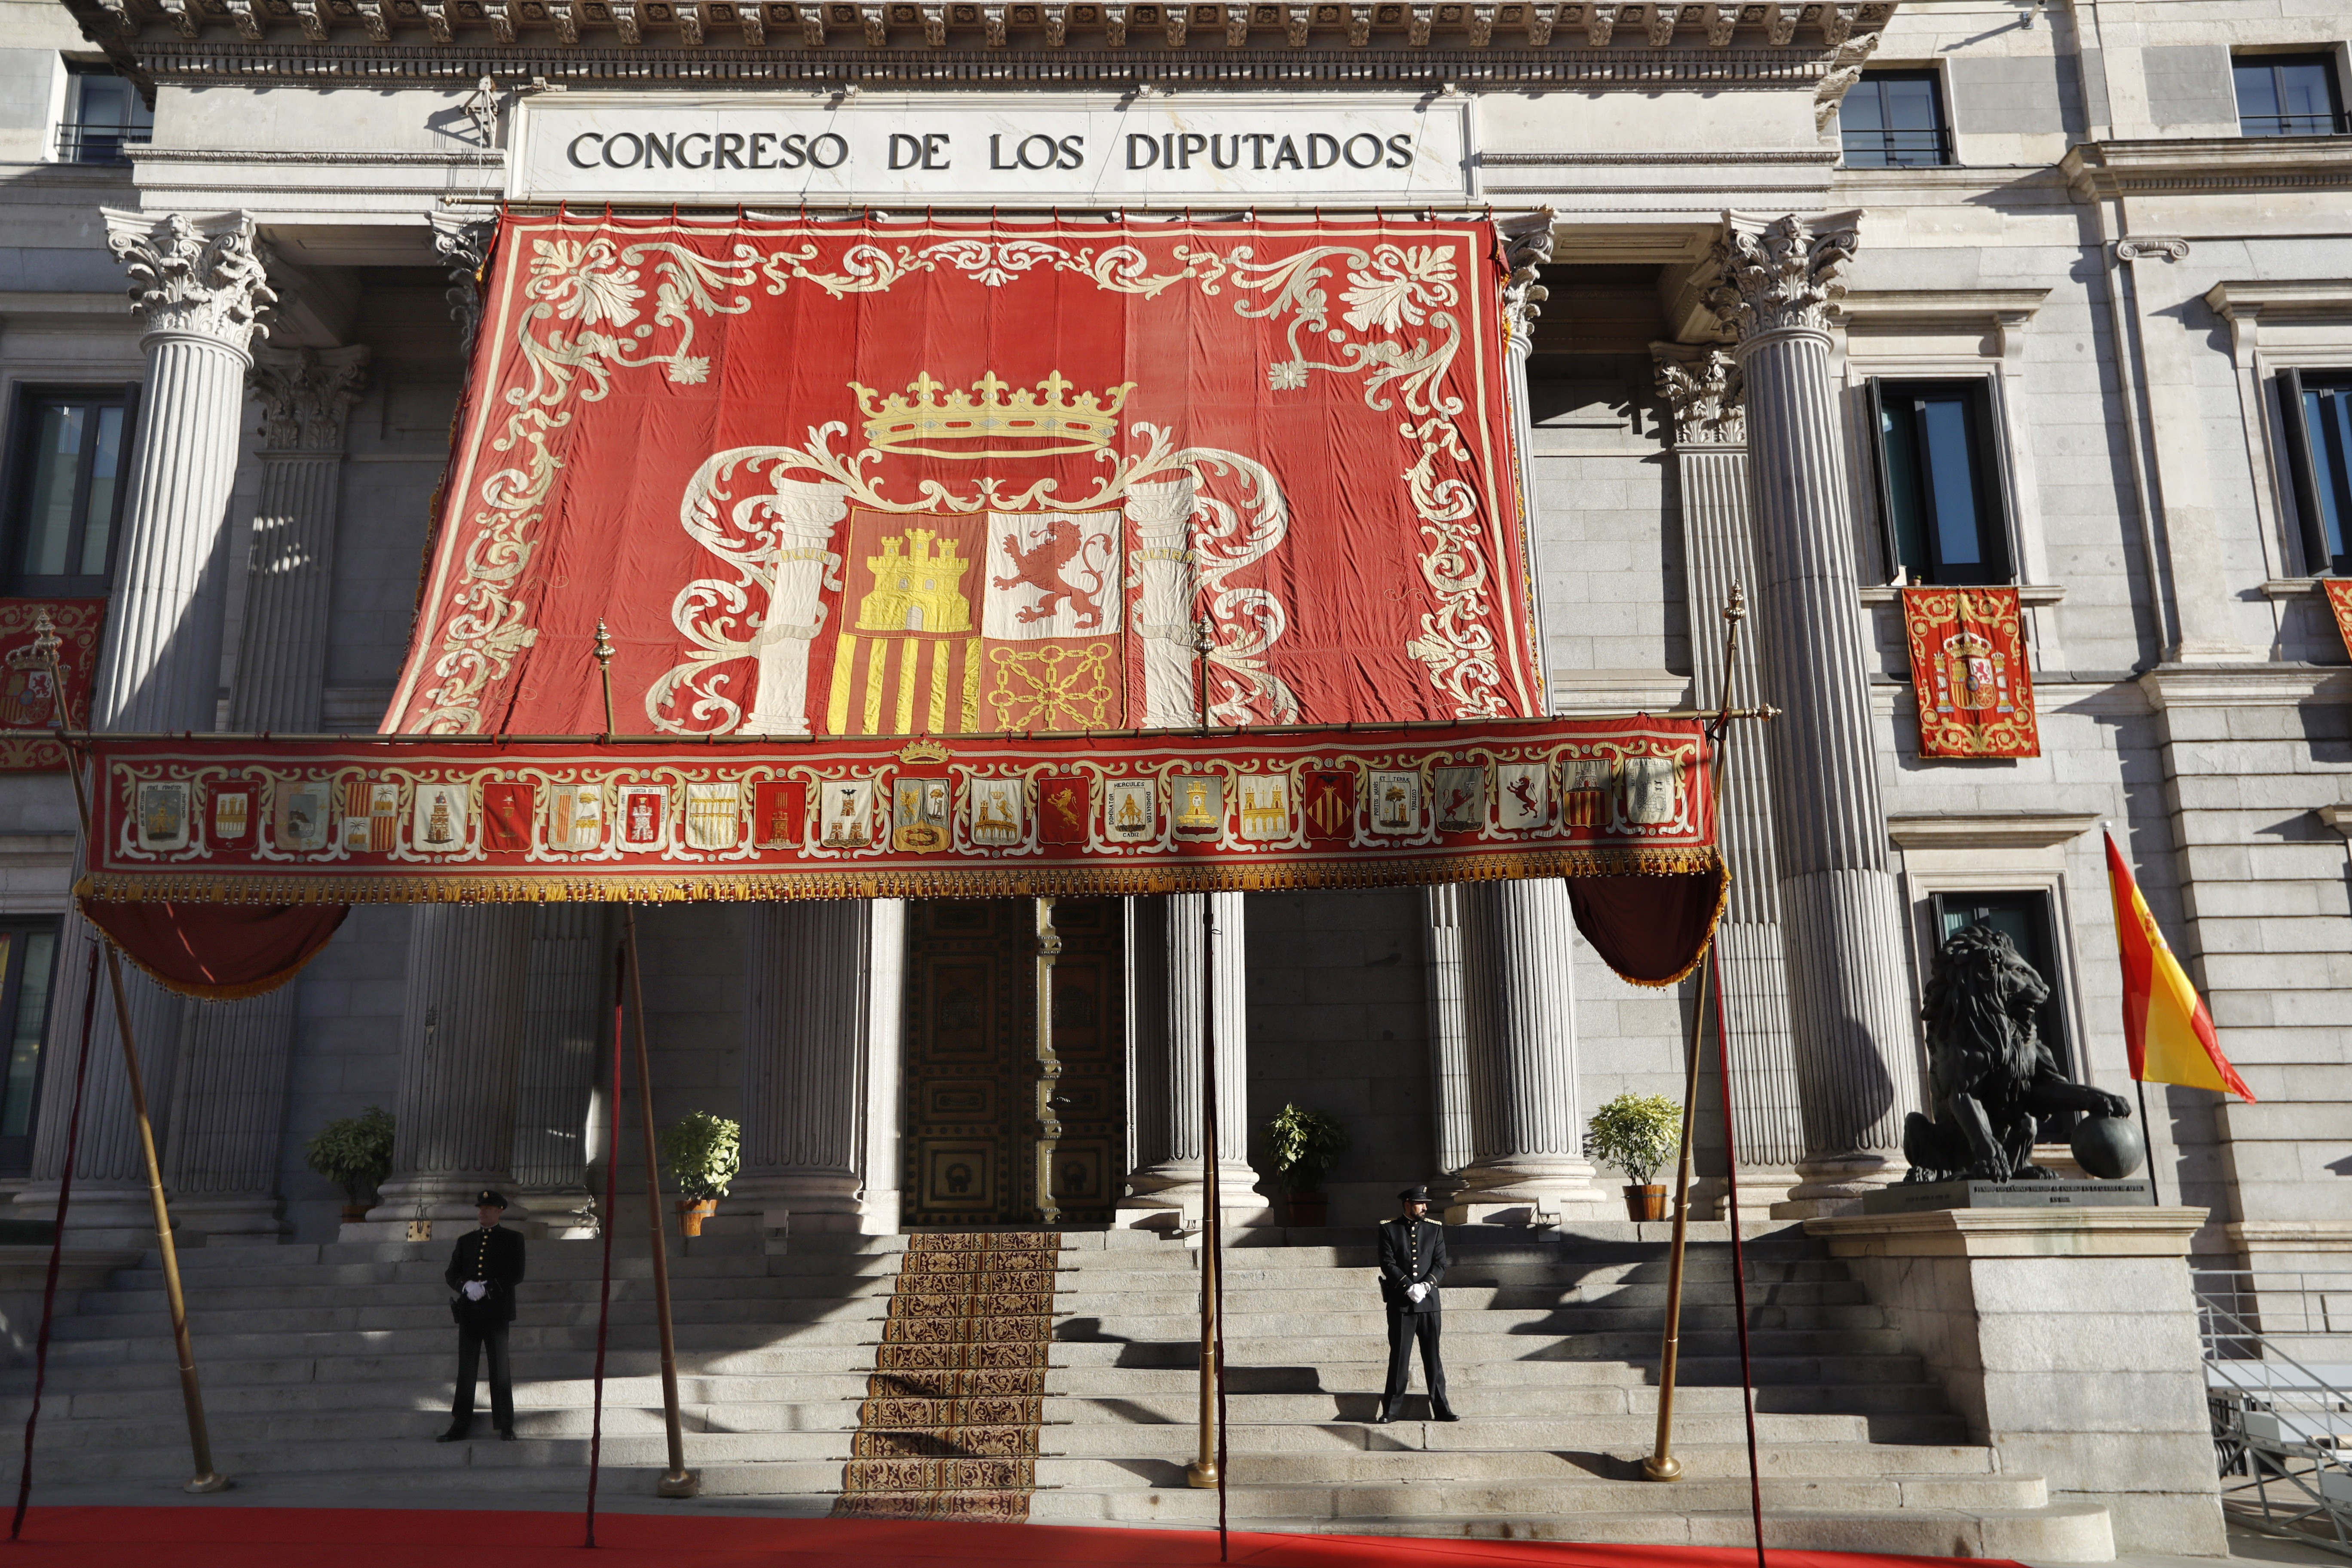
971	1061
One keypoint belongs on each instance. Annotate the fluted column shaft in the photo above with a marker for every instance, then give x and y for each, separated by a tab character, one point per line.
460	1060
1527	1125
158	662
1700	384
229	1113
1449	1026
1167	949
803	1059
1841	918
567	1037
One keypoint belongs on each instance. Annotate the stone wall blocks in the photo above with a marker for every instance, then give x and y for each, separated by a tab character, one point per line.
2314	1119
2128	1462
2138	1342
2077	1402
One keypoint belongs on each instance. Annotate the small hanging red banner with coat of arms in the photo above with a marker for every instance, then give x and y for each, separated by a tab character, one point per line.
2339	603
27	699
1971	669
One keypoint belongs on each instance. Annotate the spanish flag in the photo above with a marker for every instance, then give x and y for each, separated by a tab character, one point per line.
2166	1031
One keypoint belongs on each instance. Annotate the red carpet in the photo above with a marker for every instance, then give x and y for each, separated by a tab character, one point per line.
398	1537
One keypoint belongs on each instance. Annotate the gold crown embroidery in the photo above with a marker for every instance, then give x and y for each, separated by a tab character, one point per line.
995	419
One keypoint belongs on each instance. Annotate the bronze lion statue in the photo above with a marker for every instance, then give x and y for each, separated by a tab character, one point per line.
1992	1077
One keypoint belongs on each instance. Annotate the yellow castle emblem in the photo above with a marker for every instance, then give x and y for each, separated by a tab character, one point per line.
916	586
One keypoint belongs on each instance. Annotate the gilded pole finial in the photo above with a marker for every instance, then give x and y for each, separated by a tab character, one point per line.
605	671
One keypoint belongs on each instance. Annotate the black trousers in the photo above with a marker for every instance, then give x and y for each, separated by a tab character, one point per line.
473	1339
1404	1328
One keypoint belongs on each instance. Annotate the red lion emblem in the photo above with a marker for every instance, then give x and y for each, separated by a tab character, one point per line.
1040	567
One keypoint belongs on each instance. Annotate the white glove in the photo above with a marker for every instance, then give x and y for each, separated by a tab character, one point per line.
475	1289
1414	1292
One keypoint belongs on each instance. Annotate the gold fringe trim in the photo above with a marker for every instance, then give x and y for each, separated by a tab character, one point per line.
997	882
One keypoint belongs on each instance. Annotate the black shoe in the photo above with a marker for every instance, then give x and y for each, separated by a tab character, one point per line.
1442	1414
1384	1417
457	1433
506	1433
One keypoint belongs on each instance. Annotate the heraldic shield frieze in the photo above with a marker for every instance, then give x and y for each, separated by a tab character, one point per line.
873	478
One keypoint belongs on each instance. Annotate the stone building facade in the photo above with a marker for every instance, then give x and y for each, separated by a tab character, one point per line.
1812	297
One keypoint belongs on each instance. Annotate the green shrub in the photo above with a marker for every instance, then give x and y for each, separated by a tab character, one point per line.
355	1154
702	1152
1304	1144
1638	1133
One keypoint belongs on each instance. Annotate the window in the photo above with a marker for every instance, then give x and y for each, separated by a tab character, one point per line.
103	116
2318	409
68	500
1939	485
1894	120
2025	919
2287	95
27	969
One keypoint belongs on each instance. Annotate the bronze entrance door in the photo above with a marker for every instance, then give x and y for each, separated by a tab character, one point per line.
972	1070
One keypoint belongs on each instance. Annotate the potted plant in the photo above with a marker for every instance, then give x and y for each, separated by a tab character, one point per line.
702	1152
355	1154
1304	1144
1637	1133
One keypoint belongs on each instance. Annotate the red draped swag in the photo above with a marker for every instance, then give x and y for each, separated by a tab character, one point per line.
913	551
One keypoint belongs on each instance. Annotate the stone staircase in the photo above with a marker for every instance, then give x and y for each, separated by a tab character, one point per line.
328	1366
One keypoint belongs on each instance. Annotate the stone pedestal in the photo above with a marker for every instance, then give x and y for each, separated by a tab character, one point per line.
1841	918
460	1066
1166	948
803	1050
2067	1339
1527	1125
199	294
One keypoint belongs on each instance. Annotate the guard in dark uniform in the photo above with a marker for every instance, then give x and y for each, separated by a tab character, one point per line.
1412	1266
482	1274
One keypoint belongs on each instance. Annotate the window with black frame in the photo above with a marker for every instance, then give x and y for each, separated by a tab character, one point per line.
27	973
2318	406
2288	95
2025	917
68	474
1894	120
1939	482
104	116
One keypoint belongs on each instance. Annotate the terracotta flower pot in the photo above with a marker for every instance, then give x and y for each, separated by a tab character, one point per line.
1645	1202
355	1213
692	1211
1306	1208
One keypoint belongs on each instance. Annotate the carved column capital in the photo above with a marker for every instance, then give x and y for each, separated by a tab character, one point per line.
1701	384
305	395
183	279
1781	274
463	240
1527	246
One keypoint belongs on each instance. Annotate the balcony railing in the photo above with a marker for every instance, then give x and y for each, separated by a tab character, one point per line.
1897	149
97	143
2295	124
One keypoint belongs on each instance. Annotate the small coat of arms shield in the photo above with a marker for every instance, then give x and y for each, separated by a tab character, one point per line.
232	816
918	814
995	806
1265	806
1461	799
1396	803
439	824
1330	807
1521	795
575	817
305	814
644	815
714	814
1649	786
1062	802
1130	813
163	817
845	811
1197	806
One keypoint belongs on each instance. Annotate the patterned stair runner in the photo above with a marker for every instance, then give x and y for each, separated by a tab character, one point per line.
949	1428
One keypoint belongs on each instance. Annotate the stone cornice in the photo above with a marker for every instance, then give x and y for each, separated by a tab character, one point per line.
2007	830
1502	67
2232	685
1914	308
2208	165
689	27
2240	301
2120	1231
238	157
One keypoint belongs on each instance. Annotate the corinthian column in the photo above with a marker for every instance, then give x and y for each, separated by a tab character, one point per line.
1842	919
1449	1030
567	1034
803	1049
1701	386
1165	951
221	1163
460	1064
1527	1128
200	294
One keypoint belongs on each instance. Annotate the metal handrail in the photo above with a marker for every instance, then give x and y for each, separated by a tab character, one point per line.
2295	124
99	142
1893	149
2264	1456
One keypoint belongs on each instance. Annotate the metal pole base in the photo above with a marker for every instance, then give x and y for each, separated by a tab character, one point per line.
679	1483
207	1482
1202	1476
1661	1467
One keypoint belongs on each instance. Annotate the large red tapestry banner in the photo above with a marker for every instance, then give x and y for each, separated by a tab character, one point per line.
868	477
1972	673
230	820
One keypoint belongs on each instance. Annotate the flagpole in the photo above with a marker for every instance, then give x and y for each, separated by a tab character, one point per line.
2147	1136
